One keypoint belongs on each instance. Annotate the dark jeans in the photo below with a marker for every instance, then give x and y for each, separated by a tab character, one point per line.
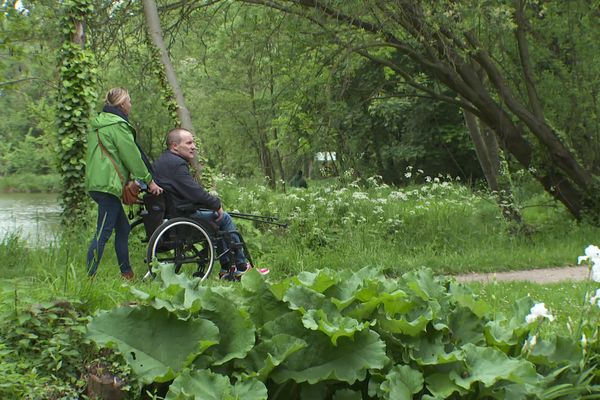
111	216
226	224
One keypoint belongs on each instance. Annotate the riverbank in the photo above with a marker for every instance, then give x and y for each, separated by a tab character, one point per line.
30	183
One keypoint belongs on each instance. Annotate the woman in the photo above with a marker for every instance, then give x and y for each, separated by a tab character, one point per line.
112	146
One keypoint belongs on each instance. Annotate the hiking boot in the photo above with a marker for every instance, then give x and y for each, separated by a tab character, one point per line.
127	275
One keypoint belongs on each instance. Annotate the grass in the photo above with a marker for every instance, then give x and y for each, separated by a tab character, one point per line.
565	301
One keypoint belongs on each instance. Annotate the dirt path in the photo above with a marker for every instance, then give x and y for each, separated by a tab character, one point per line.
546	275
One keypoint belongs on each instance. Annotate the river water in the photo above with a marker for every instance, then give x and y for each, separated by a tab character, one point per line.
35	217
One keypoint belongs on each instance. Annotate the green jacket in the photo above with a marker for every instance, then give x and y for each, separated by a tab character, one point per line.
118	138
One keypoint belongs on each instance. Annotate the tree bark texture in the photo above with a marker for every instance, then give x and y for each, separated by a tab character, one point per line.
156	35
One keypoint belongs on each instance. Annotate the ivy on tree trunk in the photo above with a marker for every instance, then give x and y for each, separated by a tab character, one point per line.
77	94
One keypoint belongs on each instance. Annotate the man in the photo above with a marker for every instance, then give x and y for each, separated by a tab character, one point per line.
298	180
172	172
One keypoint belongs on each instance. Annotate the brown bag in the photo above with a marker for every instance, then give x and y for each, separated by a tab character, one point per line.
131	189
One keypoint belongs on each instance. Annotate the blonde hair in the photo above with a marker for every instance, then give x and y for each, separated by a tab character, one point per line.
116	96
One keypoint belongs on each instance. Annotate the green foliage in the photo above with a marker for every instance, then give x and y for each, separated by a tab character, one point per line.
77	94
350	332
42	352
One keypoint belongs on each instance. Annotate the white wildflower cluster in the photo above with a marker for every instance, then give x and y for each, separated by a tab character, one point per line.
398	195
592	255
360	196
538	312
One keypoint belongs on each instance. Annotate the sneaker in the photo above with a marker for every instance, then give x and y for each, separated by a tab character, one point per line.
128	276
241	270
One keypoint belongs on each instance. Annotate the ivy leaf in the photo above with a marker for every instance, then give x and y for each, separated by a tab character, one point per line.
155	343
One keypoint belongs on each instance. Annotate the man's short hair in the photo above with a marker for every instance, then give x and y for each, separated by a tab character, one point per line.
174	136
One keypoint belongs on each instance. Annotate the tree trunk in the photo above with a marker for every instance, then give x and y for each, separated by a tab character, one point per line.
486	149
155	32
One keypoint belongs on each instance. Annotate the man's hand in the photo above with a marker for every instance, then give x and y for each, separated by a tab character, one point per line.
219	214
154	188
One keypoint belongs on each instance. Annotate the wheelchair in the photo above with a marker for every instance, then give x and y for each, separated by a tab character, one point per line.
191	245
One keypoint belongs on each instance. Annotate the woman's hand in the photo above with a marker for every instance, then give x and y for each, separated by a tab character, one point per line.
154	188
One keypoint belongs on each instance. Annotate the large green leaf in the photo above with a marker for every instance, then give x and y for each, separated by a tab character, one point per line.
424	284
555	350
406	327
433	352
262	304
396	302
489	365
318	281
464	296
348	361
441	386
265	356
335	326
236	330
402	382
206	385
155	343
466	326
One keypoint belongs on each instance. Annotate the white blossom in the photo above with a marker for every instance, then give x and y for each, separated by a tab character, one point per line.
596	272
538	311
592	253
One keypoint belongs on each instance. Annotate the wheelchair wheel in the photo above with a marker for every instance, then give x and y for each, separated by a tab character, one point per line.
185	244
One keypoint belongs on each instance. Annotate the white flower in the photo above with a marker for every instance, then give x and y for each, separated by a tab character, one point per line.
407	174
538	311
596	298
596	272
592	253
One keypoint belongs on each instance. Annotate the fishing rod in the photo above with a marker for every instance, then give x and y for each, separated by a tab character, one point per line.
260	218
